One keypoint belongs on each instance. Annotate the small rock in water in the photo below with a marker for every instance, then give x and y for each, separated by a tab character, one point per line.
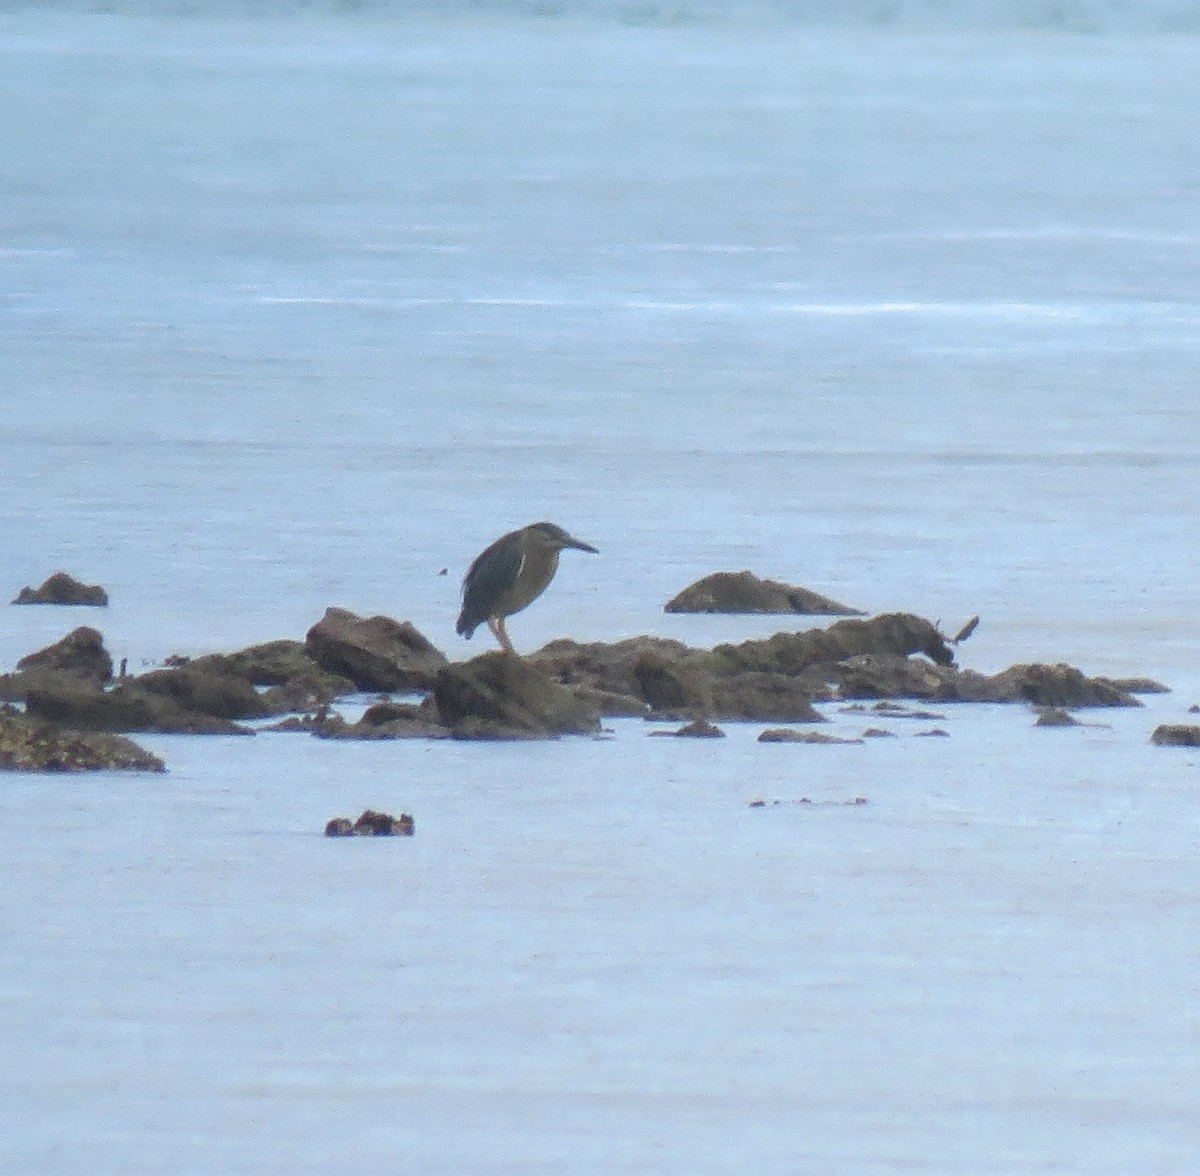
1176	735
372	824
61	588
788	735
1055	716
700	729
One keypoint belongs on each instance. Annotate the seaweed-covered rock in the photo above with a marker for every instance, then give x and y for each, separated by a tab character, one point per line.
500	695
81	654
375	653
61	588
27	745
1176	735
744	592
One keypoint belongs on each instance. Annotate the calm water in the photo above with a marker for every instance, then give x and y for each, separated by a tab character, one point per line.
301	311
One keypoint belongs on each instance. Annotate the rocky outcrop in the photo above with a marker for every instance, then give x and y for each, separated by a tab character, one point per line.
501	696
80	654
61	588
744	592
375	653
27	745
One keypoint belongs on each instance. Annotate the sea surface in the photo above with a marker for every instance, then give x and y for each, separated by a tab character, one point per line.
303	305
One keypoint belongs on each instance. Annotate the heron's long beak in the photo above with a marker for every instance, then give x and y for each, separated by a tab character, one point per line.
581	546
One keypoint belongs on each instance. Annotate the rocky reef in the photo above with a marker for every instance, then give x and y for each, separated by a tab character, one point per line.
565	688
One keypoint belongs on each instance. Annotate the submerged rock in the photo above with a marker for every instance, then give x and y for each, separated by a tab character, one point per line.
375	653
499	695
744	592
62	588
27	745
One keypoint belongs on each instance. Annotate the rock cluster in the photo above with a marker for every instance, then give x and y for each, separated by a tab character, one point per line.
372	824
564	688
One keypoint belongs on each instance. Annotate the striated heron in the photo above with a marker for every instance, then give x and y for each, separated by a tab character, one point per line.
510	574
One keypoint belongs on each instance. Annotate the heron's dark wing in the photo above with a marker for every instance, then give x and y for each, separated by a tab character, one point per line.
493	573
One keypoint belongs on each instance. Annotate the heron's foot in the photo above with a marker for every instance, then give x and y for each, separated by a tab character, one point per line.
496	624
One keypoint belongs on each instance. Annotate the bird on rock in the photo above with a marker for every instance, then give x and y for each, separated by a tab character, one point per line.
511	574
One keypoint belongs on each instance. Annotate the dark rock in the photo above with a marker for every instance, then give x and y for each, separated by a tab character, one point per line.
890	710
787	735
609	669
933	733
81	654
202	687
387	720
895	655
699	729
672	689
1176	735
744	592
75	704
1135	685
878	733
500	695
375	653
1057	685
27	745
766	698
891	676
61	588
890	634
1055	716
372	824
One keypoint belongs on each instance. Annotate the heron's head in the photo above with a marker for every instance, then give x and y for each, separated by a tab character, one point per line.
552	537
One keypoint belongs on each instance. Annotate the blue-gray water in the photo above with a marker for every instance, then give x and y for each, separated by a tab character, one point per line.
300	307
